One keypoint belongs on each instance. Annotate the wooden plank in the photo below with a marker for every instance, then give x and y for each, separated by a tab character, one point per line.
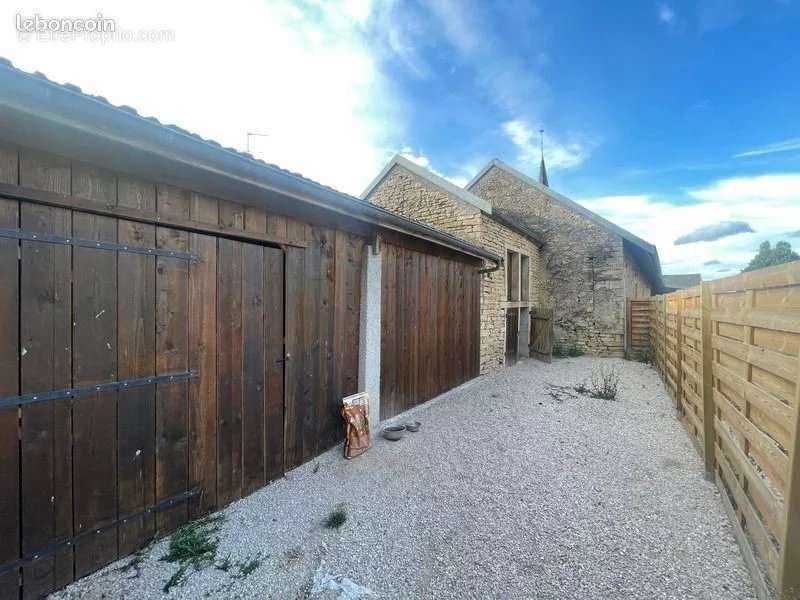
779	276
767	446
172	355
771	405
294	366
755	528
229	371
772	318
355	260
94	418
46	356
789	570
273	331
9	386
311	398
45	364
135	194
778	363
769	504
203	361
94	184
231	215
141	215
136	407
253	374
329	423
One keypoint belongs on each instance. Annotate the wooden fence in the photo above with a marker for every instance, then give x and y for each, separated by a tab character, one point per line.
729	354
638	322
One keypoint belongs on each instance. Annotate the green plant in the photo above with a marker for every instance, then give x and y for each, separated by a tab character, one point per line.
193	545
645	356
604	383
574	351
134	564
336	518
247	566
561	351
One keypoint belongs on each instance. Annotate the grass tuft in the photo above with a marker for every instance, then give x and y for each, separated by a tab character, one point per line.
336	518
193	545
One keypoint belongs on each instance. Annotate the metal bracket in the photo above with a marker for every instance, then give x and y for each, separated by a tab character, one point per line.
48	238
66	543
100	387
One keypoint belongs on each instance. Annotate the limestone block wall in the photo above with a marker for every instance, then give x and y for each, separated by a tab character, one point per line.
406	193
585	264
499	239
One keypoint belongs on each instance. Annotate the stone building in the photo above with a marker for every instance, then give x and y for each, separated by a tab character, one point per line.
593	265
508	293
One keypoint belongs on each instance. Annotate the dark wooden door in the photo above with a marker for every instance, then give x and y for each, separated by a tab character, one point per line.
541	344
512	336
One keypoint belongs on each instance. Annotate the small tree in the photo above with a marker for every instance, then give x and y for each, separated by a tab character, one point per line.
768	256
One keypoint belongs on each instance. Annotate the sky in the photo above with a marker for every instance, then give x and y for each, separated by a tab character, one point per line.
679	121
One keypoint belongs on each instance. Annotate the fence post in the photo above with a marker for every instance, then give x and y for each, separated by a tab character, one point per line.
664	339
679	352
789	571
708	381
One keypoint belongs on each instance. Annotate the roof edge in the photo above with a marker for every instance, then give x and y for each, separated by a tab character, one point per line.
431	177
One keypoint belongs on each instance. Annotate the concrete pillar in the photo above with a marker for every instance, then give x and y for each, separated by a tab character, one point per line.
369	349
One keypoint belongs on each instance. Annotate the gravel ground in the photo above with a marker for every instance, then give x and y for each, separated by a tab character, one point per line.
505	492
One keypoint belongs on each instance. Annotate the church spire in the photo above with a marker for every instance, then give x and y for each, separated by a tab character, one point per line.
542	168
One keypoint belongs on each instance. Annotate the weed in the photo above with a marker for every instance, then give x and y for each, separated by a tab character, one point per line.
135	564
225	564
567	351
582	388
336	518
245	567
604	383
315	470
193	545
645	356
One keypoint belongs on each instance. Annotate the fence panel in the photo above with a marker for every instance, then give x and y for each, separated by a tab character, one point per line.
639	325
672	349
728	352
691	363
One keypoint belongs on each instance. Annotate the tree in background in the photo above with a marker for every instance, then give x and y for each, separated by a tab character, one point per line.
768	256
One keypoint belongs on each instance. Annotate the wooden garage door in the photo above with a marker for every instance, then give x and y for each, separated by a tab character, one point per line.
141	383
430	325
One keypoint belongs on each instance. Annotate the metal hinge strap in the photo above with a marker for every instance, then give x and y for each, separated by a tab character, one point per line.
90	389
49	238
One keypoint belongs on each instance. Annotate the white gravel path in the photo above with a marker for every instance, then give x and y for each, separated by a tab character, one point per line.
504	493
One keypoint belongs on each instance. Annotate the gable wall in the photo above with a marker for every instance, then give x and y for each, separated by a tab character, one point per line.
584	262
411	196
406	194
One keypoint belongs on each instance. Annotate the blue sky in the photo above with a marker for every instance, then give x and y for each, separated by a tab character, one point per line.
672	119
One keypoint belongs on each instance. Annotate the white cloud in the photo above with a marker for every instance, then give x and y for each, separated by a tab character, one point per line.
783	146
666	14
303	73
425	162
556	155
767	203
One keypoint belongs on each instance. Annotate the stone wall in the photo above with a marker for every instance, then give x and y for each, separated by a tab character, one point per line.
584	262
499	239
406	193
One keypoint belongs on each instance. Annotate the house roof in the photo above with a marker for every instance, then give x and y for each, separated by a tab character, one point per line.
460	194
681	281
646	249
63	119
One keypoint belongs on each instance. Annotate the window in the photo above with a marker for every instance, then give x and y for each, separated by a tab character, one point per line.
518	269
